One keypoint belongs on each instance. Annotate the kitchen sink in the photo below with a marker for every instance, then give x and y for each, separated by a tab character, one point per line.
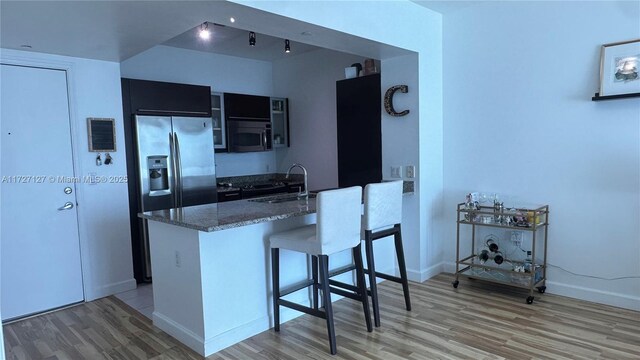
281	198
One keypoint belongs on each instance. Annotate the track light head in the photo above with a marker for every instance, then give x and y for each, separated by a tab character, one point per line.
252	38
205	33
287	46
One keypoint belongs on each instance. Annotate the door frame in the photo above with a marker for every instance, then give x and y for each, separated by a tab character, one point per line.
76	136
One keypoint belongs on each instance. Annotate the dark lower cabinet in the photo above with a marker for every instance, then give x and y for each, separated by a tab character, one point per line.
229	196
359	116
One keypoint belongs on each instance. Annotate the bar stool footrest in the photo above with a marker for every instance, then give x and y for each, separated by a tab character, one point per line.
296	287
386	276
301	308
344	286
346	294
342	270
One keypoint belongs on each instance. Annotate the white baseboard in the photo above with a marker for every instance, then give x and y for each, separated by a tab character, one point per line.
424	275
579	292
235	335
245	331
594	295
109	289
181	333
223	340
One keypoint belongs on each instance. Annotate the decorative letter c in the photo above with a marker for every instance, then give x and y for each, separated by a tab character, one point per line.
388	100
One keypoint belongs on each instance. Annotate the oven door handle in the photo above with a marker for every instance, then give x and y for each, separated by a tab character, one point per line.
264	140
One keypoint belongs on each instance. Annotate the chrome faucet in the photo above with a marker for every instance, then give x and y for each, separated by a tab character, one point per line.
304	193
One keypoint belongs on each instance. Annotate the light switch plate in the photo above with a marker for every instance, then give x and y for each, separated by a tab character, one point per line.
93	178
396	171
411	171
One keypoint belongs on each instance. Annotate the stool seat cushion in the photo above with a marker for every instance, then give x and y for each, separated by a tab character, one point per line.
302	239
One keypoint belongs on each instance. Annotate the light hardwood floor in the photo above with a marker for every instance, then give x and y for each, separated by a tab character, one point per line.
476	321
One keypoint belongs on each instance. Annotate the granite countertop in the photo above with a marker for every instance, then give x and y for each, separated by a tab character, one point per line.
235	183
226	215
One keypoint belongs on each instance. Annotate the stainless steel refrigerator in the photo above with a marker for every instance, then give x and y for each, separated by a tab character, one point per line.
176	166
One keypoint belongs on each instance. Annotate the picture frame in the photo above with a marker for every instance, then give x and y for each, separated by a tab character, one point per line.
620	68
102	134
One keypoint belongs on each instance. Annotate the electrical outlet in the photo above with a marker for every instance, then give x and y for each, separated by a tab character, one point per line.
411	171
178	259
396	171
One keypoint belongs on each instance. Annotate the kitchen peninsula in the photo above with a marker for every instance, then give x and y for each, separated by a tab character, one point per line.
211	284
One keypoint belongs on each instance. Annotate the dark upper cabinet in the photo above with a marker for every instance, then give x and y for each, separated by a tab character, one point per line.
359	116
155	97
247	107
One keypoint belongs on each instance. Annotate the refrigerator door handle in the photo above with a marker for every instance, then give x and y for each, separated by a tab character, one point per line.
179	169
174	170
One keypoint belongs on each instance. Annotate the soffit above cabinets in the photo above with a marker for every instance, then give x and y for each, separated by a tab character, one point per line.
227	40
118	30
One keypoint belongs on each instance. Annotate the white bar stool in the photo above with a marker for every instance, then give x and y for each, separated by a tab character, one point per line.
382	218
337	228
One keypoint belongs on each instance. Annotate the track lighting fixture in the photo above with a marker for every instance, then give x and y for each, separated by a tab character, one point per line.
287	46
252	38
204	33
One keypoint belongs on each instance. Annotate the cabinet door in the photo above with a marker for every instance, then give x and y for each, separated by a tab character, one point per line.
224	196
219	122
247	107
169	99
280	122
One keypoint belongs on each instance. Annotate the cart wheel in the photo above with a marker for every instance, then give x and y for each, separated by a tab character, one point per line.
455	284
542	289
530	300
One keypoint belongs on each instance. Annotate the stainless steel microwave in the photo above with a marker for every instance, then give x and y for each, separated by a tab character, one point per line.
249	136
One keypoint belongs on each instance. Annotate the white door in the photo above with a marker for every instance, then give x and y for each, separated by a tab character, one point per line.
40	255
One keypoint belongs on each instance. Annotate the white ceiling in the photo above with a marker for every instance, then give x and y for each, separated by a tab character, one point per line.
235	42
118	30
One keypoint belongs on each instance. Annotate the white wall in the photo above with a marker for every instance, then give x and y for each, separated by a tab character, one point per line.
103	209
399	139
519	120
224	74
309	81
1	332
397	23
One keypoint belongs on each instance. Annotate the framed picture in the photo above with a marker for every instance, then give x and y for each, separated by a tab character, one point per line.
619	66
102	134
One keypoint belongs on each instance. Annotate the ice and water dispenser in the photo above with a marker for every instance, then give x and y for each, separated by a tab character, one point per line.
158	175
